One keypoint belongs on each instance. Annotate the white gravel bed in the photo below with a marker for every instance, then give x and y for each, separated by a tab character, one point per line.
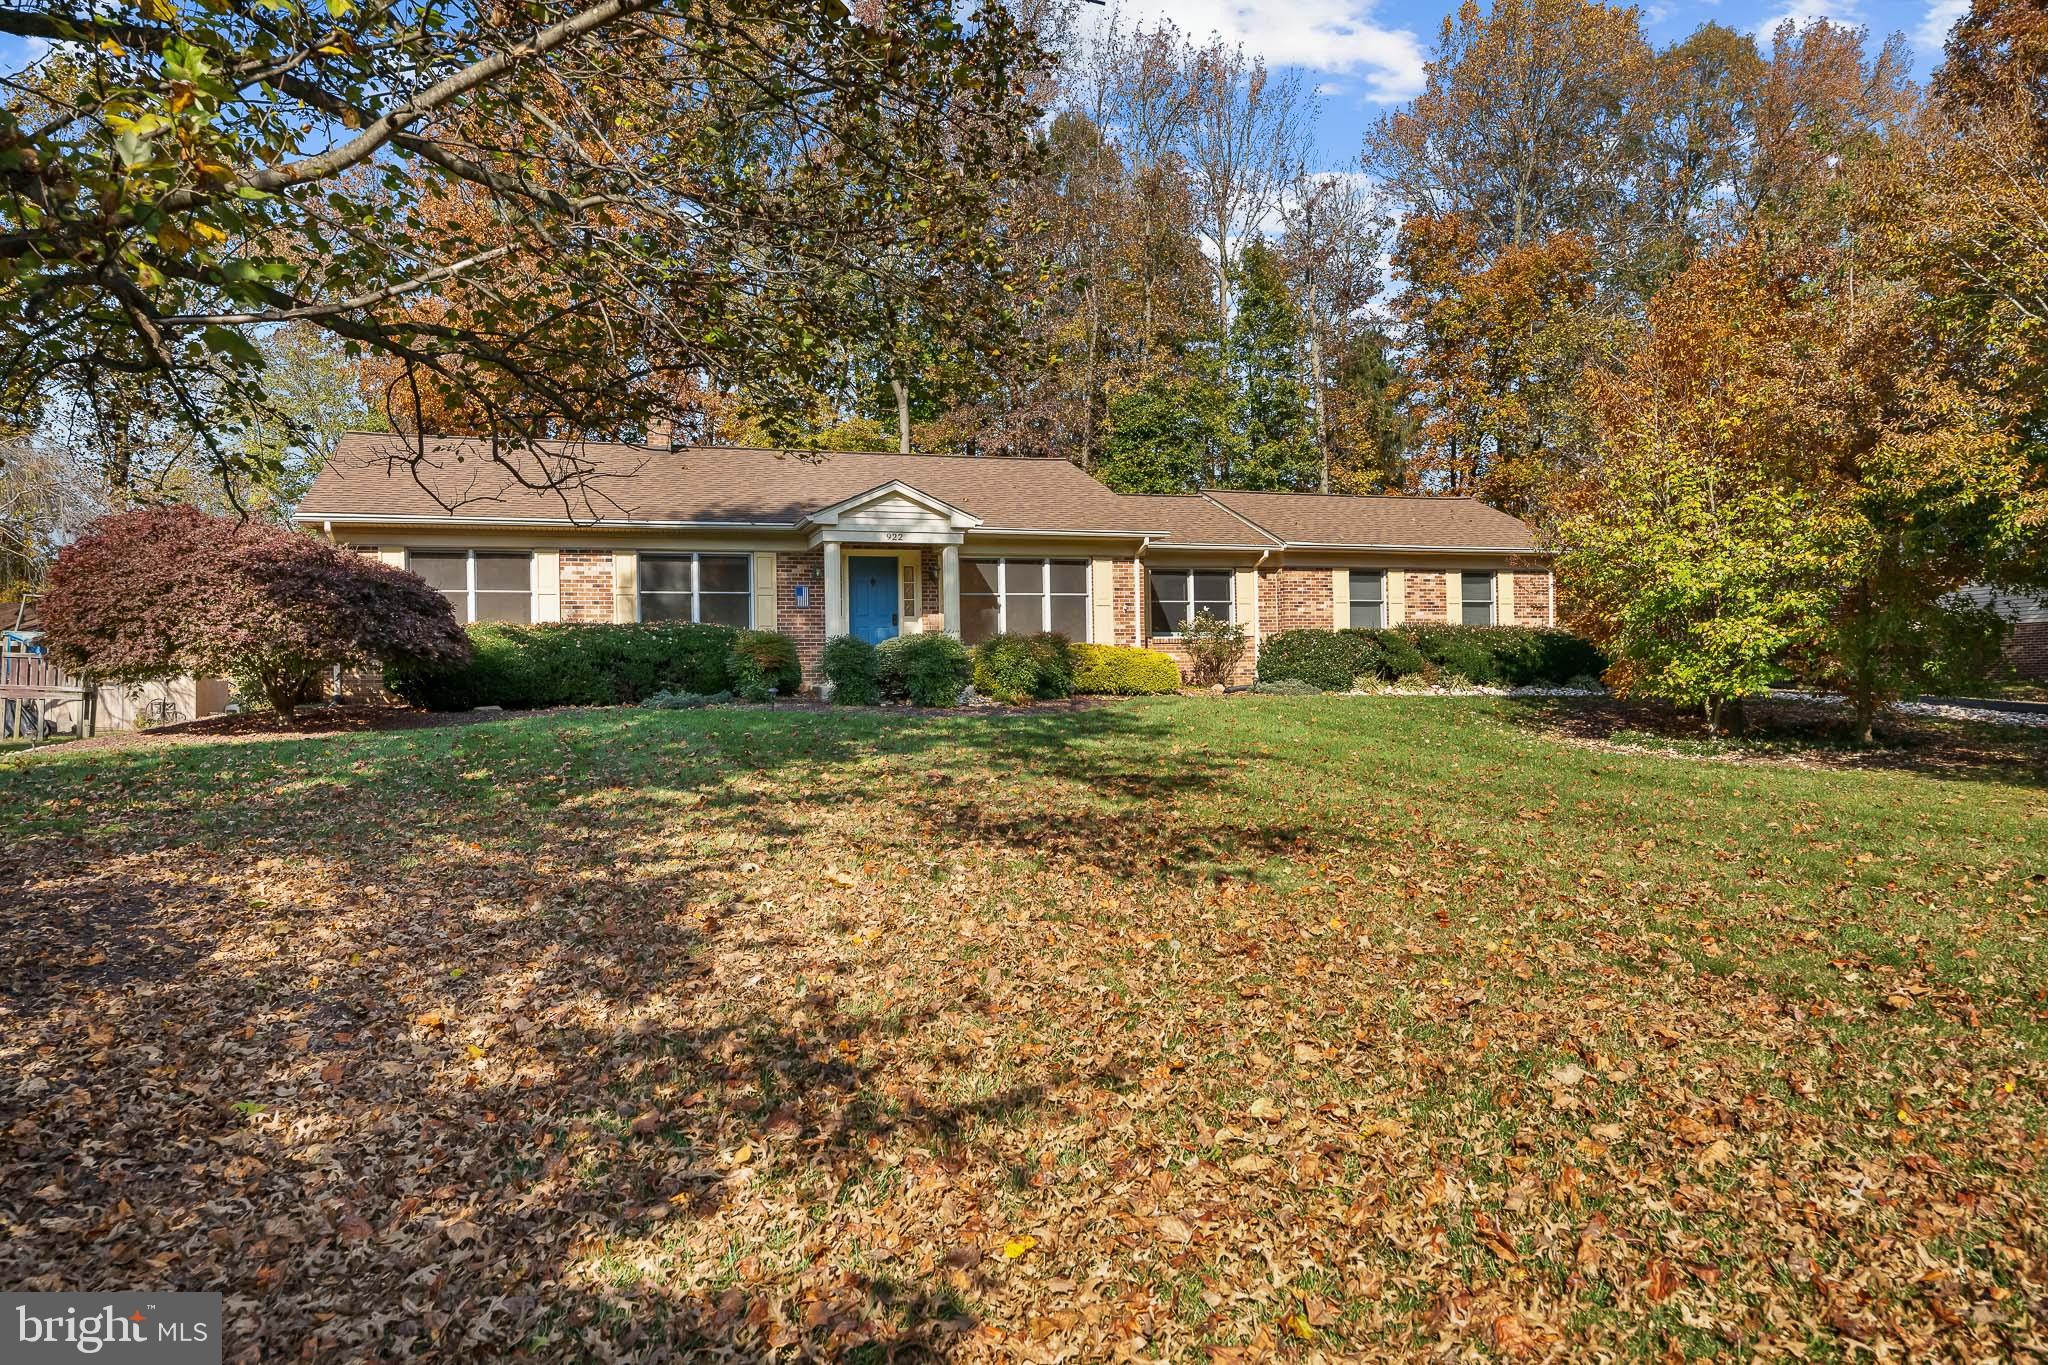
1988	715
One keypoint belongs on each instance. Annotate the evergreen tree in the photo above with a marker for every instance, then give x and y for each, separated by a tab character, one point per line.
1171	434
1369	431
1272	443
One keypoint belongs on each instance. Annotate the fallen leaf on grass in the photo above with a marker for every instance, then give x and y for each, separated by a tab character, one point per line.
1017	1246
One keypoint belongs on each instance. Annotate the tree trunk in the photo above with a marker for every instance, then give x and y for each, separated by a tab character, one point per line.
1316	393
1093	384
902	390
281	691
1713	707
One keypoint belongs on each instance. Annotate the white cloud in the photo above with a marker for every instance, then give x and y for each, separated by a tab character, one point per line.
1321	35
1932	34
1804	12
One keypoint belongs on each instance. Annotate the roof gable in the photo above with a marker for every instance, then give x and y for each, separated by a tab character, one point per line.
890	501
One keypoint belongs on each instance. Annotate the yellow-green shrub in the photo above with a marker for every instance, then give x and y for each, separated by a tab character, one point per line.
1123	671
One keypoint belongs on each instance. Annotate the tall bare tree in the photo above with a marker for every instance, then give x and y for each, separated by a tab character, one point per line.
1247	137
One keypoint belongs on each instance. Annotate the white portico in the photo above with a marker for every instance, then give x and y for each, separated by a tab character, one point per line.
885	529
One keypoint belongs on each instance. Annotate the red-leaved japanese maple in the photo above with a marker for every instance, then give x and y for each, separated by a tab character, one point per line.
168	591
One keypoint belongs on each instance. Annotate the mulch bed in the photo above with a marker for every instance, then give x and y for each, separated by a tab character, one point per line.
1810	734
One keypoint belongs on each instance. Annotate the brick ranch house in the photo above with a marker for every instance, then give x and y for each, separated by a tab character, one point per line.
820	545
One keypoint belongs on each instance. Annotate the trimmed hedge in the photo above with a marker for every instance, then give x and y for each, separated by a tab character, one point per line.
931	669
1016	668
600	665
1513	656
1123	671
853	670
1324	659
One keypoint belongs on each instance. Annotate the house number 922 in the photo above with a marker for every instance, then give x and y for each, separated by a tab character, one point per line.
892	535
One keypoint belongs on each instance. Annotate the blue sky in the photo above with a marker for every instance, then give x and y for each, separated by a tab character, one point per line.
1366	55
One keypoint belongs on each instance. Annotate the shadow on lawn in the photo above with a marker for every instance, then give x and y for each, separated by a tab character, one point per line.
1809	733
413	1045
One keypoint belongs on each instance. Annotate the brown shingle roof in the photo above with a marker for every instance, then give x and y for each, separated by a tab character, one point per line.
1193	519
370	477
1336	519
705	484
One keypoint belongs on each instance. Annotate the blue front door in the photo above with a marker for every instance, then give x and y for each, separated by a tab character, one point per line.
871	597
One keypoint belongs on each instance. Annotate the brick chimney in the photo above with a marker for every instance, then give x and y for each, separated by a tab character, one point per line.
661	434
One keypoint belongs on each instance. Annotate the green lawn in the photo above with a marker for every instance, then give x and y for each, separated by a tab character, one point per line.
1192	1027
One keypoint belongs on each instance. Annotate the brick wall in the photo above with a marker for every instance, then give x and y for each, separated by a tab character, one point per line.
931	565
586	585
2026	649
1124	582
1295	599
1532	598
1426	597
805	625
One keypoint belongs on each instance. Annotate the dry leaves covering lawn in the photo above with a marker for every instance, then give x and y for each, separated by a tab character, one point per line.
1228	1029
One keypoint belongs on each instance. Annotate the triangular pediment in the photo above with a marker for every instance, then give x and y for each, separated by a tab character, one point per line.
893	499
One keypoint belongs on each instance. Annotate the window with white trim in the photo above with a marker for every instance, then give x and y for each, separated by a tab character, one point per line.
1176	595
716	589
1476	606
1023	597
1368	599
482	585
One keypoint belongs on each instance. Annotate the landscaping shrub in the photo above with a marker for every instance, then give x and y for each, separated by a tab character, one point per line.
929	669
853	670
1467	658
1123	671
1015	668
1214	648
1399	658
1327	660
153	594
574	665
1519	656
763	665
1516	656
684	701
1289	687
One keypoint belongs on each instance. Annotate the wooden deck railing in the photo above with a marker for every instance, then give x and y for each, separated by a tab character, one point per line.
33	677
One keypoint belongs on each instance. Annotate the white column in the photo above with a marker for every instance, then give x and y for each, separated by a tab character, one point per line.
949	587
835	593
